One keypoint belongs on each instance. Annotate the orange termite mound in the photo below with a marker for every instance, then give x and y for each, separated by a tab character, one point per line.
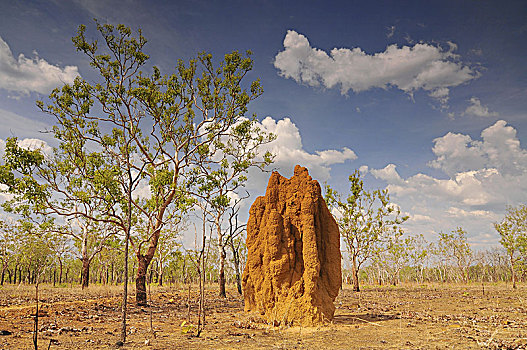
293	273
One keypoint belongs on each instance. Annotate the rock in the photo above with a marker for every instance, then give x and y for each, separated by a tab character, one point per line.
293	272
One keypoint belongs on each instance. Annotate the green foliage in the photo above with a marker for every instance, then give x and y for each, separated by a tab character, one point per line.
513	237
16	174
367	221
455	248
513	230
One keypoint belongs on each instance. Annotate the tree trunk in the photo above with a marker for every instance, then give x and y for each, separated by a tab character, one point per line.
160	274
513	272
60	271
85	274
221	247
143	261
355	275
236	261
140	281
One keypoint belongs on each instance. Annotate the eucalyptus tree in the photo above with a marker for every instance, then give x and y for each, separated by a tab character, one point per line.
513	233
90	238
61	247
455	248
420	255
366	221
396	256
132	131
222	172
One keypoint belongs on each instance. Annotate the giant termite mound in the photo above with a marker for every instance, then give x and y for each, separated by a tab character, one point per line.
293	272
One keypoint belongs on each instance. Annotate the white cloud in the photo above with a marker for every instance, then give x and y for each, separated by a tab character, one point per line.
483	177
289	151
477	109
419	218
24	75
499	149
484	214
388	174
442	95
363	169
408	68
143	190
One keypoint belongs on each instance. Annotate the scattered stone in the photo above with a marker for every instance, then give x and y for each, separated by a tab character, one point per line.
293	271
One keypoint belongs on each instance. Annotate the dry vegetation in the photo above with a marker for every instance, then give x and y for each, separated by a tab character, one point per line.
404	317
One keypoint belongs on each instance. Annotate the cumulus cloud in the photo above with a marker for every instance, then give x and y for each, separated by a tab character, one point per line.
419	218
289	151
24	75
388	174
499	149
477	109
408	68
482	178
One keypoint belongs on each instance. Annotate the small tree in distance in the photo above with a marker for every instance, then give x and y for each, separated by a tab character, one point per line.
366	220
513	233
454	246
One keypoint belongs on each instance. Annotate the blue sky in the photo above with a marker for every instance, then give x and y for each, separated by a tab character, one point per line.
426	97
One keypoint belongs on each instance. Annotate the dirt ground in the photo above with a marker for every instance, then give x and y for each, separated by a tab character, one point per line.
406	317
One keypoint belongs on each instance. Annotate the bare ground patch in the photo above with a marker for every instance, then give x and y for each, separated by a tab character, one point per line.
405	317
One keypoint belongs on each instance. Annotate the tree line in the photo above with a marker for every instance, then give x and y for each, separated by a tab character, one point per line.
57	258
379	251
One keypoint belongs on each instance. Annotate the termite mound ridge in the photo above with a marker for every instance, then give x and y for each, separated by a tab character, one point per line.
293	272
